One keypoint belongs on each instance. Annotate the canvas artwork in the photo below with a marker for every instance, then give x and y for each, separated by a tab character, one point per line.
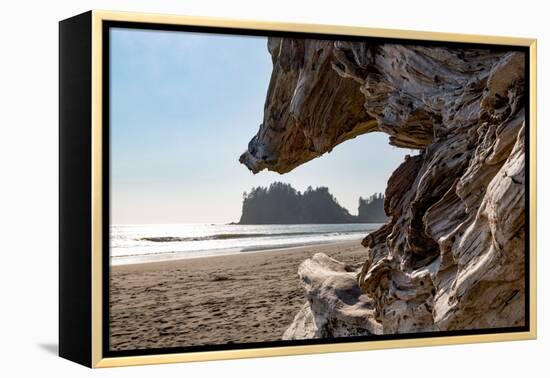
281	190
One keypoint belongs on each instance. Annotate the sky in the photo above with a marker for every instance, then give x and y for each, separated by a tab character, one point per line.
183	108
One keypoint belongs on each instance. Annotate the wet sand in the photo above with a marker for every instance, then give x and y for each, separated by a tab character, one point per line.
248	297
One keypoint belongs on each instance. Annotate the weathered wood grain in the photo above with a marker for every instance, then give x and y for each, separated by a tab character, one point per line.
452	255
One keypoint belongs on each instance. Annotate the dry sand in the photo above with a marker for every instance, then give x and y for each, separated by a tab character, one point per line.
249	297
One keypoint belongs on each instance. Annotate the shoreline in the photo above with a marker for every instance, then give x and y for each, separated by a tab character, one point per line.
226	252
237	298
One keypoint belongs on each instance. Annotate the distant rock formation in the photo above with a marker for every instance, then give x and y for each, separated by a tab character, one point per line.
371	210
452	255
280	203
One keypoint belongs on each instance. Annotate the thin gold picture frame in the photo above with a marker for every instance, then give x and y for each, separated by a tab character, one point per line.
97	359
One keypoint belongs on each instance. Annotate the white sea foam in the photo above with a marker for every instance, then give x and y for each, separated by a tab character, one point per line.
154	242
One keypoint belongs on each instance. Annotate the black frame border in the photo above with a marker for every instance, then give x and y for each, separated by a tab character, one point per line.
75	178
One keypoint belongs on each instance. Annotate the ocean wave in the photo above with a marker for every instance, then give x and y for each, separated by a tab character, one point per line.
172	239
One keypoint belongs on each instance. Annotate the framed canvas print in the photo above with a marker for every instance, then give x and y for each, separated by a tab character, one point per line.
234	189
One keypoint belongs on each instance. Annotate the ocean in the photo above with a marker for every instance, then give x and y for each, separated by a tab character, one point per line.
136	243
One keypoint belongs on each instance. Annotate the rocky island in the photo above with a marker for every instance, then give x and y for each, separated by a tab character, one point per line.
280	203
452	254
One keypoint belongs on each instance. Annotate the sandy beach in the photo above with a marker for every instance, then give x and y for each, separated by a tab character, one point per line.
247	297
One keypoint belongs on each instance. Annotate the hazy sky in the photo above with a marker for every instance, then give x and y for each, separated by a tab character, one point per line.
183	108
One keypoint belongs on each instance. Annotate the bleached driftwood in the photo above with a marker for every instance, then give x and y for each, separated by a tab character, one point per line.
452	254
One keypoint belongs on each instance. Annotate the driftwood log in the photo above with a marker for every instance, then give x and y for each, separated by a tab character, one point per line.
452	255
